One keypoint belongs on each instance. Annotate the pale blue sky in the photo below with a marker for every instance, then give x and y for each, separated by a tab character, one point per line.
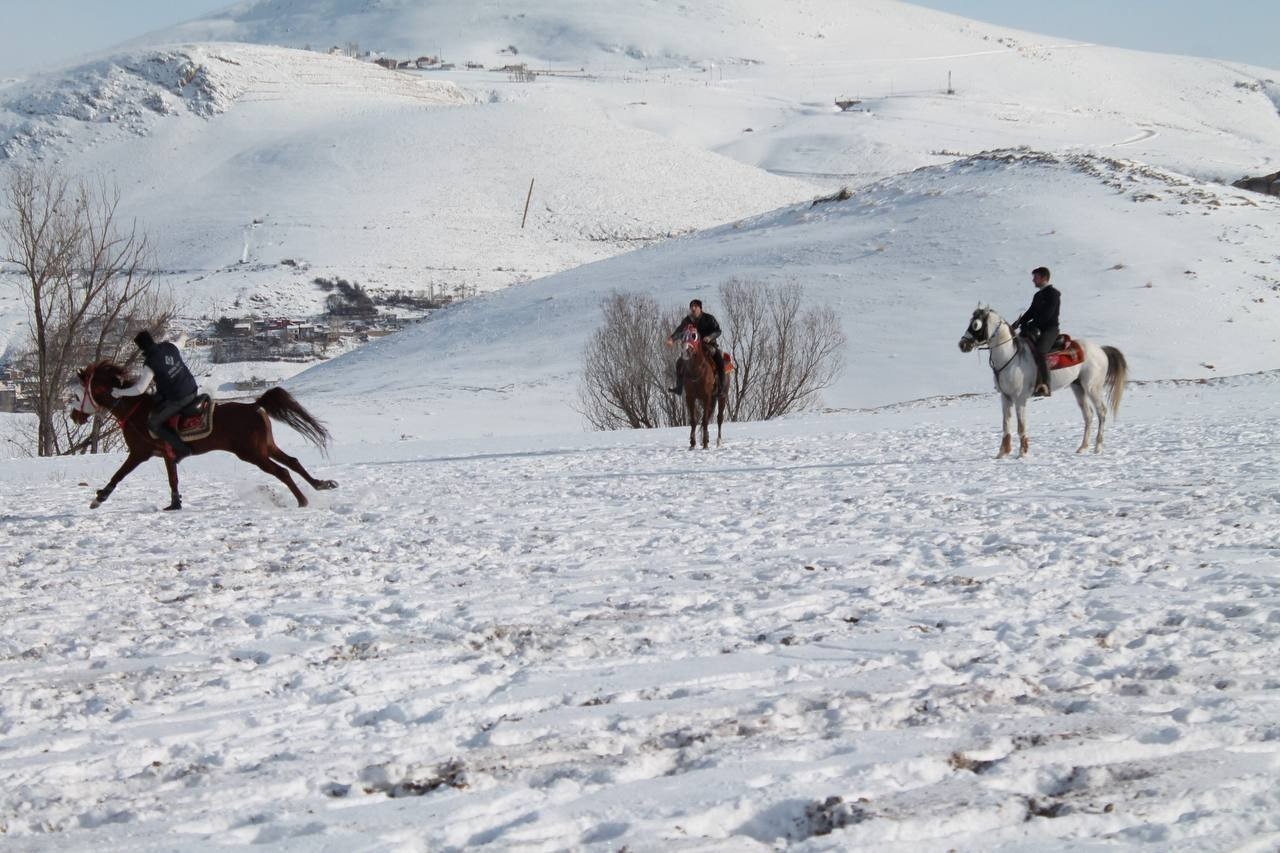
41	33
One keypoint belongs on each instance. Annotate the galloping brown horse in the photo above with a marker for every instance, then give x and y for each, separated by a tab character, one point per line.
700	387
239	428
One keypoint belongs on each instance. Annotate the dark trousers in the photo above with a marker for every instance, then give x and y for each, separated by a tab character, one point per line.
1041	341
156	422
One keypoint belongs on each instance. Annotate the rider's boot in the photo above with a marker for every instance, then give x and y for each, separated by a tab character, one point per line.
181	450
679	386
1042	376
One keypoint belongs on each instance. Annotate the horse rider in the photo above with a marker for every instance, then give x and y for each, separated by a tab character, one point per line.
175	388
1039	325
708	332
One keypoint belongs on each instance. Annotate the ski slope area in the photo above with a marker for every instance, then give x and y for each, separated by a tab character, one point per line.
836	632
1183	277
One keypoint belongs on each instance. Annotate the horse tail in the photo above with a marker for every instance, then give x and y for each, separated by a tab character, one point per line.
1117	376
279	404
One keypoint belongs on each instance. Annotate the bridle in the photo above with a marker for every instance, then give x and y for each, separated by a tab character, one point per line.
86	399
988	344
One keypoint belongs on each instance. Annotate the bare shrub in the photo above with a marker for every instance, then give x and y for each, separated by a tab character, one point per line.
785	355
625	368
87	288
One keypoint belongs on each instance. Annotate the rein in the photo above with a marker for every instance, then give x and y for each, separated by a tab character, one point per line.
121	420
1011	339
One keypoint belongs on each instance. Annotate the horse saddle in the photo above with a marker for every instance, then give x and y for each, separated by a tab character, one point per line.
1066	352
196	420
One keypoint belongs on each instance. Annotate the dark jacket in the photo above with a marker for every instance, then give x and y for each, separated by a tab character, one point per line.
1042	316
173	380
708	328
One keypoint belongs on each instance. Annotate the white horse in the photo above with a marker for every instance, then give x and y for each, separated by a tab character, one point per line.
1014	366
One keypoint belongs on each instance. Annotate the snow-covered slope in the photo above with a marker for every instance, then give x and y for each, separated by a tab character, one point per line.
1183	277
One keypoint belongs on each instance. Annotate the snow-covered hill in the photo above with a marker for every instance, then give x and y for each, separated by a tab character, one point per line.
1183	277
239	156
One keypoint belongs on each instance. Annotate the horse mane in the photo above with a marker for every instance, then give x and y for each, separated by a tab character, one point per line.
117	376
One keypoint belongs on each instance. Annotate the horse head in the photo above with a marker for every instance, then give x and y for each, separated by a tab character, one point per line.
982	326
94	393
690	345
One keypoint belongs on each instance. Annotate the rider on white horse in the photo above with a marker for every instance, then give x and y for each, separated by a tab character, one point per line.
1039	325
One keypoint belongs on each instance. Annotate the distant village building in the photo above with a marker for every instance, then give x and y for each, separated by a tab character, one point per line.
1266	184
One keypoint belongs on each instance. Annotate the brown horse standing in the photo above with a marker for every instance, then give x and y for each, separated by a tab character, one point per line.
240	428
700	387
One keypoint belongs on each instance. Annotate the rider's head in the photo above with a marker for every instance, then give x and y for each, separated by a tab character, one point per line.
144	340
695	308
1040	276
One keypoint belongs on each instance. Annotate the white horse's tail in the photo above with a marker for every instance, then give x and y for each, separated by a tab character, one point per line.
1117	375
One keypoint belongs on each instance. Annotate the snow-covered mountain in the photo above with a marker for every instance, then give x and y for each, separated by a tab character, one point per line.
239	156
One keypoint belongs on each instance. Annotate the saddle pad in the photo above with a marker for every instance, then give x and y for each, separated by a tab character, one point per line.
1070	355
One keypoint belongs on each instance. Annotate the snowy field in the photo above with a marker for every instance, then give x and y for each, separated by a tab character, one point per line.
841	631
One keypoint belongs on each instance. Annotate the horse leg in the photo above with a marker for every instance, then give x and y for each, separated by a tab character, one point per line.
1081	400
706	422
276	471
134	459
692	406
719	418
1006	442
1100	406
290	462
175	499
1024	443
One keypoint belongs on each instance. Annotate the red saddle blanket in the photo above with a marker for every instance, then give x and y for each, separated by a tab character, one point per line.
1068	354
199	425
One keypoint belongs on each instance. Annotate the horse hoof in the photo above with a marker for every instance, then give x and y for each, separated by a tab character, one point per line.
95	503
328	484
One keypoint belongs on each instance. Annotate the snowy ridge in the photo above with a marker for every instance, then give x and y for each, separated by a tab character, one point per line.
135	91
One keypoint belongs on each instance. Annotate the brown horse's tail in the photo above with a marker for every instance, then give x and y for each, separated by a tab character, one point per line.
1117	375
279	404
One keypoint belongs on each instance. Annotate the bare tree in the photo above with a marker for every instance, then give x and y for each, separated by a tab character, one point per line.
87	288
625	367
785	355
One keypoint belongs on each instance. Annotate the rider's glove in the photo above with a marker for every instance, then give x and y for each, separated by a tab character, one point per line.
115	393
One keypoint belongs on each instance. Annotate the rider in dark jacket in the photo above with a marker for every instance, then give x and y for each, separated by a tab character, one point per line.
1039	325
175	388
708	333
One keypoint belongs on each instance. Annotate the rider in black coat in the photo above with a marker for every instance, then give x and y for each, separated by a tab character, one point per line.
1039	325
175	388
708	332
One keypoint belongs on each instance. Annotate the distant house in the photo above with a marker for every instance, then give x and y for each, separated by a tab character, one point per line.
387	62
1266	184
425	61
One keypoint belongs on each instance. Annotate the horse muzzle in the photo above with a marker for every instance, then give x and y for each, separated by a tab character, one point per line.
78	417
967	344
